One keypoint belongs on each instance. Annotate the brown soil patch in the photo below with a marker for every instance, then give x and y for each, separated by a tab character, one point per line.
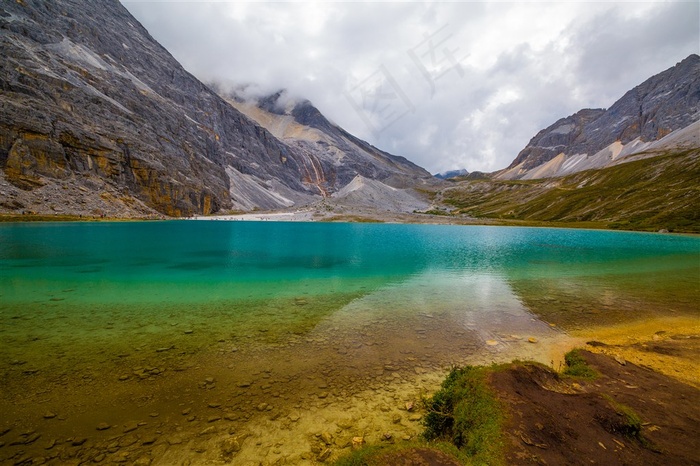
668	345
559	420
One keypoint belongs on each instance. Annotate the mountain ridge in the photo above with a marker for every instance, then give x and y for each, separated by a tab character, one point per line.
593	138
118	109
340	156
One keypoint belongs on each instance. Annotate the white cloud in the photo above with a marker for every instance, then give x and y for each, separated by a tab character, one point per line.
465	84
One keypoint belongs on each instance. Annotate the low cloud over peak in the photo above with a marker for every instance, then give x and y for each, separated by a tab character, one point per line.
447	85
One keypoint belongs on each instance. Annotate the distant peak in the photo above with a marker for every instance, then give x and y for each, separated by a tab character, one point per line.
451	174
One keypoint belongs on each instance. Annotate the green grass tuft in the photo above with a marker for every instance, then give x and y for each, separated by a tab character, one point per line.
576	366
627	423
466	413
464	420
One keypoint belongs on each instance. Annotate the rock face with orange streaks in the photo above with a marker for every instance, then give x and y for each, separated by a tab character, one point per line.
92	104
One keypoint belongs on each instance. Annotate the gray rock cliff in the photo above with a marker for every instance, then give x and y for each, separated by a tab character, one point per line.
666	102
86	92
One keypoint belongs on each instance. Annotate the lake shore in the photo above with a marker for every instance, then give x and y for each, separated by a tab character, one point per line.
194	418
625	414
349	216
615	412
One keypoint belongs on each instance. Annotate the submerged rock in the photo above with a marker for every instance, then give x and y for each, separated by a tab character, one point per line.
78	441
326	438
325	454
232	445
130	427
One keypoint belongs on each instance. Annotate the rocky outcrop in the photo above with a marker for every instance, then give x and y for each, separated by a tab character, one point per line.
667	102
555	139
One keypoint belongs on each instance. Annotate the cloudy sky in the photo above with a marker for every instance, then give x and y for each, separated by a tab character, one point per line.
447	85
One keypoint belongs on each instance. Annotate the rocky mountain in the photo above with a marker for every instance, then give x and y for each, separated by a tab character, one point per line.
97	117
336	158
659	113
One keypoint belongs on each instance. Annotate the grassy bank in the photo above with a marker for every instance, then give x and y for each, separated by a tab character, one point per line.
463	425
652	194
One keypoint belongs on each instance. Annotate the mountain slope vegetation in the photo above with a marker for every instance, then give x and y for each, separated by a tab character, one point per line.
651	194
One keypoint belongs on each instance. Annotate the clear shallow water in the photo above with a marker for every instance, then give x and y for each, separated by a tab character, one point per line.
71	285
83	305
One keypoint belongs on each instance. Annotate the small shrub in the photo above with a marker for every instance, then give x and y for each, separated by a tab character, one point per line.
466	413
632	422
576	366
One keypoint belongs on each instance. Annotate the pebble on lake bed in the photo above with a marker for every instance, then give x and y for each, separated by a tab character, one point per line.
130	427
78	441
326	438
619	359
357	442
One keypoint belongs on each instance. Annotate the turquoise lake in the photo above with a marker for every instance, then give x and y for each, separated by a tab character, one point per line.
191	261
110	321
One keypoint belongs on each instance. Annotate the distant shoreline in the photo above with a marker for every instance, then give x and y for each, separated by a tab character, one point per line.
347	217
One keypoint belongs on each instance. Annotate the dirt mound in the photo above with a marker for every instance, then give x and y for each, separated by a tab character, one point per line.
627	415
